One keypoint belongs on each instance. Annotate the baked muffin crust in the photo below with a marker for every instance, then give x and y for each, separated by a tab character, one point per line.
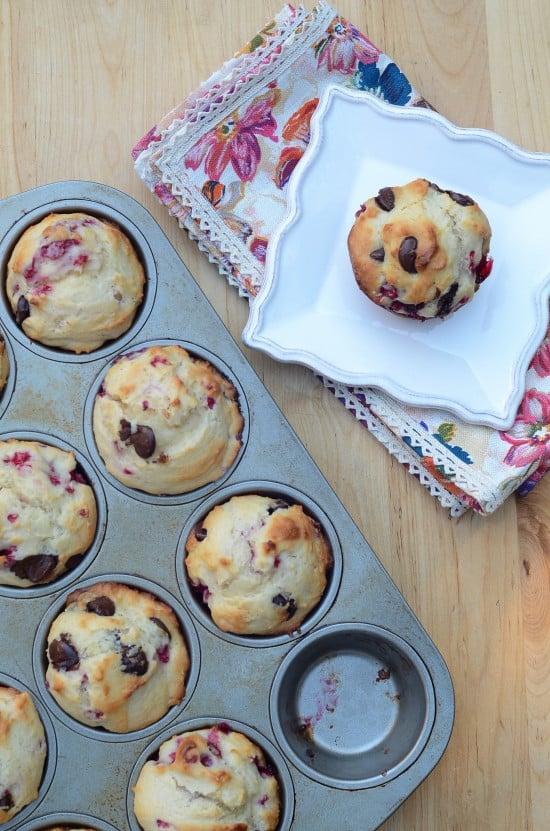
259	563
166	422
117	658
420	251
23	751
74	281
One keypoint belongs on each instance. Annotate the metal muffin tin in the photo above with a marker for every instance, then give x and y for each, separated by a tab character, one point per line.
353	711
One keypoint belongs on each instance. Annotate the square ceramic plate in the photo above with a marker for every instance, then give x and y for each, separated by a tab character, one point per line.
310	310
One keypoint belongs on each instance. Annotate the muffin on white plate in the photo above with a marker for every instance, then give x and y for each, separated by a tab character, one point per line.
260	563
213	779
117	658
48	512
420	251
166	422
23	751
74	281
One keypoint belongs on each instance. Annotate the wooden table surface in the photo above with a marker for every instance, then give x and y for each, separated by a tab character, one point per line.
81	81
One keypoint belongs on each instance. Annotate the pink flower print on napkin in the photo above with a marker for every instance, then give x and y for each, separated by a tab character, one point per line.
541	358
343	46
530	435
234	141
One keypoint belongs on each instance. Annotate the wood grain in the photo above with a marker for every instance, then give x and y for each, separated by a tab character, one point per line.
82	82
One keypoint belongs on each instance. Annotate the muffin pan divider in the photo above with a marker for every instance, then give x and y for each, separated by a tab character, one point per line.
140	538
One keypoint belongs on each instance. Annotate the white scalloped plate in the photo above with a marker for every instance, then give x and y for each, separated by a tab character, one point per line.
310	310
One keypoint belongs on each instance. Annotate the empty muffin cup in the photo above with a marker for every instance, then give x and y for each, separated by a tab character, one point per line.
352	705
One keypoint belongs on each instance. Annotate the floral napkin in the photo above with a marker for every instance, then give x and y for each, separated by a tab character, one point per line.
220	163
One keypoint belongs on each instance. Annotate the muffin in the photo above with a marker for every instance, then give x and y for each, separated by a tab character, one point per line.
74	281
420	251
215	779
23	750
116	657
4	363
48	513
166	422
259	563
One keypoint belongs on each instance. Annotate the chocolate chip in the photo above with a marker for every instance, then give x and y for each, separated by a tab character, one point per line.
200	533
285	599
162	626
74	561
6	801
144	441
407	254
446	300
265	770
101	605
36	568
23	310
378	254
277	505
385	199
125	430
460	198
62	653
142	438
134	660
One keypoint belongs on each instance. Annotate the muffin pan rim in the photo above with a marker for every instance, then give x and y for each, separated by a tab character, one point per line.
273	451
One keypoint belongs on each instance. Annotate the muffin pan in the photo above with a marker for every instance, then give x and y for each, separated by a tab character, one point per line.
353	710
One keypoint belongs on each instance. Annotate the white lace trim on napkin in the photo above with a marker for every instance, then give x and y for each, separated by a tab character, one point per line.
388	424
239	80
